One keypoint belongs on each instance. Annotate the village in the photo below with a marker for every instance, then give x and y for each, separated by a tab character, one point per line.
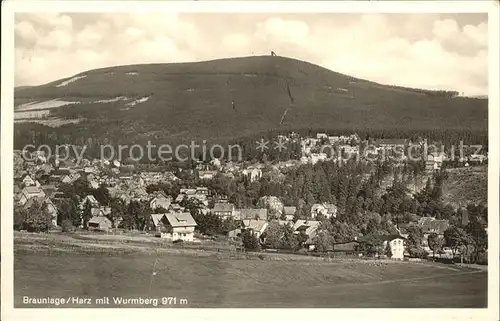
42	184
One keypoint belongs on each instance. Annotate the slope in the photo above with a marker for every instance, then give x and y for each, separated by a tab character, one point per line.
236	97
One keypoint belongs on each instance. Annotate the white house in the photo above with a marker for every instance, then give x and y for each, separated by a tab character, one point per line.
29	181
396	244
160	201
174	226
328	210
253	173
318	157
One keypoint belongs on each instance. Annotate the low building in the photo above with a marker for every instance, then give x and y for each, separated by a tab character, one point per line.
99	223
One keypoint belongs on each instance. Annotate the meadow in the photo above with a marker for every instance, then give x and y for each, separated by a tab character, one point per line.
101	266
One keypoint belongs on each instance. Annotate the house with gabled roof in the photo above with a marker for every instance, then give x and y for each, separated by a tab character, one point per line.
30	192
51	208
224	210
256	227
99	223
160	201
306	226
92	200
174	226
29	181
431	225
325	209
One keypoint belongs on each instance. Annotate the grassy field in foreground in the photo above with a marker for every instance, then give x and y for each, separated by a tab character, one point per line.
45	269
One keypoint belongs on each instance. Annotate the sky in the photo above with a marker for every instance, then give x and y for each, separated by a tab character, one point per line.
430	51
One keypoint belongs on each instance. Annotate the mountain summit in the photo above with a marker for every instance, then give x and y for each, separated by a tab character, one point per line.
236	97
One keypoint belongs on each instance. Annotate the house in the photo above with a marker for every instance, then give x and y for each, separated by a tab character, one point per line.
431	225
29	181
252	213
224	210
221	199
96	212
207	174
176	208
321	136
92	200
396	245
70	178
433	163
93	183
174	226
308	227
160	201
325	209
30	192
318	157
51	208
253	173
234	233
99	223
289	212
349	247
391	143
125	176
17	193
349	150
199	193
257	227
49	190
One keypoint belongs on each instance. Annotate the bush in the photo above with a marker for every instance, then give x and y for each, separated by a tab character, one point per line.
179	241
66	226
482	258
417	252
250	242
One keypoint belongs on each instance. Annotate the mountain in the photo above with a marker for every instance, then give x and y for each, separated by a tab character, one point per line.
234	97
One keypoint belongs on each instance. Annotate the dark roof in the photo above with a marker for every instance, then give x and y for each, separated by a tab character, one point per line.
223	207
252	213
61	172
49	190
391	237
